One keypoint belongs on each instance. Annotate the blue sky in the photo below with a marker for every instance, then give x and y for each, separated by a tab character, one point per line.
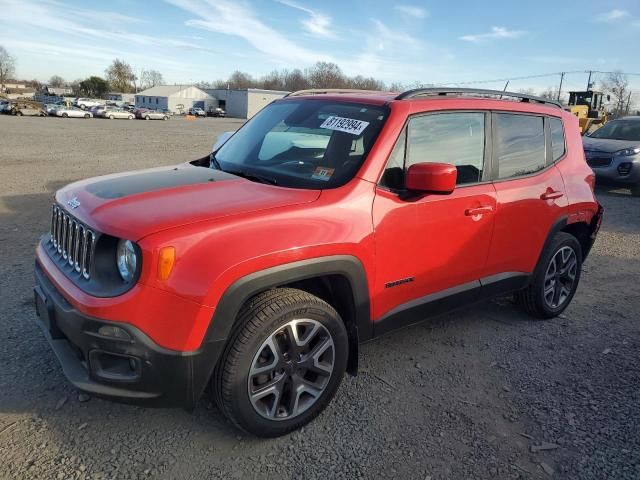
425	41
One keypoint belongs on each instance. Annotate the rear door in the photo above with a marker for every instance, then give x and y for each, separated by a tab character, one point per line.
430	244
530	191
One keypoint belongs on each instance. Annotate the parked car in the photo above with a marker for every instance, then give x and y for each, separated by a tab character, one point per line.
113	113
151	115
255	272
168	112
85	103
217	112
613	151
26	108
51	108
197	112
72	112
5	106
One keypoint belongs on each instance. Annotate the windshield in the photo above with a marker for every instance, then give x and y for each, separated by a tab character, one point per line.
309	143
619	130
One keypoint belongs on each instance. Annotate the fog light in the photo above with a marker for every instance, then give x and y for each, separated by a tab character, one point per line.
113	332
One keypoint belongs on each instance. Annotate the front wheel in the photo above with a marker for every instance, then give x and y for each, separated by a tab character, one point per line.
555	278
111	117
283	364
130	117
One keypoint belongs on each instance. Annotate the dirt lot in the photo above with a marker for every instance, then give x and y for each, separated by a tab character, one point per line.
483	393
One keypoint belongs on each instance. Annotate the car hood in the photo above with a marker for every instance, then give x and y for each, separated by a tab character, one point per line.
608	145
135	204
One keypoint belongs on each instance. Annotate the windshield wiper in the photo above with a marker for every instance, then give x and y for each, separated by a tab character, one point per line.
214	162
253	176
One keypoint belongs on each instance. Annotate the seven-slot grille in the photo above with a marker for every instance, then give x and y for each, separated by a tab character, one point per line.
72	241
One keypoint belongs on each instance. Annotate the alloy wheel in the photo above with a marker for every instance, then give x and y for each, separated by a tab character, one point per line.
560	277
291	369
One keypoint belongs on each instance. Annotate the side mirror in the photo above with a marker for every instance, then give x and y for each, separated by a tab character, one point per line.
222	138
431	178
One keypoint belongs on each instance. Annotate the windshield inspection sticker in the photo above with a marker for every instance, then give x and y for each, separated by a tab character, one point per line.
322	173
347	125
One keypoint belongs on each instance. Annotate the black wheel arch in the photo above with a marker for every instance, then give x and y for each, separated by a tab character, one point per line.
340	280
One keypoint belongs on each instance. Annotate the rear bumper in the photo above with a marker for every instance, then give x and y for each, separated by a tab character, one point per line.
131	368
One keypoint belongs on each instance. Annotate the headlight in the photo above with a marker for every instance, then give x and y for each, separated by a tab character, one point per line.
627	152
127	260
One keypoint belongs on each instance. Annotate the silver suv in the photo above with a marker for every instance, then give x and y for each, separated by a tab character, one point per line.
613	152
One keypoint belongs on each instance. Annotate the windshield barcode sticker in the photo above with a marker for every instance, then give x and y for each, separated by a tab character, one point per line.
347	125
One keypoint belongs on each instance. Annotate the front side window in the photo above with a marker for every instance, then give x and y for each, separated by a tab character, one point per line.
520	144
311	143
557	138
456	138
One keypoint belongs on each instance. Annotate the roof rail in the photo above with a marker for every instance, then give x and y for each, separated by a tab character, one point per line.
428	92
321	91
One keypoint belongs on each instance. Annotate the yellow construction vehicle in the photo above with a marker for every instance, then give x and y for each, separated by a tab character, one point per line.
590	109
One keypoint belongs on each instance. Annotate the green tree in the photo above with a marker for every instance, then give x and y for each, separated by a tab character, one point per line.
94	87
120	76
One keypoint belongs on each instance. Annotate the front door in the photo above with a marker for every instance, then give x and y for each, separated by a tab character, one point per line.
431	247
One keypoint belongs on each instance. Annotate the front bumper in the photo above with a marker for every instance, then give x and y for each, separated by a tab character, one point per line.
620	170
133	369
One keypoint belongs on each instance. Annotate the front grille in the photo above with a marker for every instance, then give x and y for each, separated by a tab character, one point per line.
599	162
624	169
73	242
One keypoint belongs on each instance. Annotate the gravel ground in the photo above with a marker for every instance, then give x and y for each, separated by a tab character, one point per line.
482	393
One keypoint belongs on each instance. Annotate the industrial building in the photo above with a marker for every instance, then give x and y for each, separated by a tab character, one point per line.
239	103
177	98
245	102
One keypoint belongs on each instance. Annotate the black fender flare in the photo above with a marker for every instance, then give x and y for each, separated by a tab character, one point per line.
226	311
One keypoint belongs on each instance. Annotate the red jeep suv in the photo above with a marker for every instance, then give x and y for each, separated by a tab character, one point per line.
328	219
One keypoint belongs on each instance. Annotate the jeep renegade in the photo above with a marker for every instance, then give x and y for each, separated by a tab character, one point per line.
328	219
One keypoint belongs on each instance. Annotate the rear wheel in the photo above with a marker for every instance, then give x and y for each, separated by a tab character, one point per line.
283	364
555	278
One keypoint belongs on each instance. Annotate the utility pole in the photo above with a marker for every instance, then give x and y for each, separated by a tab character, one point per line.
505	86
560	87
589	80
628	104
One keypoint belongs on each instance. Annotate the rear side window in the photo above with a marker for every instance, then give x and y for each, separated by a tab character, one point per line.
557	138
520	144
455	138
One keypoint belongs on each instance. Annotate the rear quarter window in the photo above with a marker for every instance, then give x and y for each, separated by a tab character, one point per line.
520	145
557	138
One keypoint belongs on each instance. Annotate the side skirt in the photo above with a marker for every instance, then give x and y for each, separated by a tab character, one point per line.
445	301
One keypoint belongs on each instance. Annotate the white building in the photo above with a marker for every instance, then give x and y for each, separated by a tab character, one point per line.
245	102
177	98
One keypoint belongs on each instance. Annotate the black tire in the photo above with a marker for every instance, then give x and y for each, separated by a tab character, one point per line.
635	190
165	118
130	117
87	116
83	107
64	115
18	113
111	117
533	299
147	117
259	320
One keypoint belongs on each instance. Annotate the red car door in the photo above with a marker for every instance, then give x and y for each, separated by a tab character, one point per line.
530	192
431	246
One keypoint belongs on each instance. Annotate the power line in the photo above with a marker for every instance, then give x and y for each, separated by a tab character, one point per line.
541	75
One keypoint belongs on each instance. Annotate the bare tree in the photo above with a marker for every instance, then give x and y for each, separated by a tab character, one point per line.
150	78
7	66
120	76
56	81
295	80
325	75
617	85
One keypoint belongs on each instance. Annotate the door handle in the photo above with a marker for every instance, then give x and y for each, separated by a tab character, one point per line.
551	195
472	212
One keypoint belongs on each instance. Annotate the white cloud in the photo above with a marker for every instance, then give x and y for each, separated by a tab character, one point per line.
412	11
57	17
612	16
497	33
318	24
386	34
239	20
